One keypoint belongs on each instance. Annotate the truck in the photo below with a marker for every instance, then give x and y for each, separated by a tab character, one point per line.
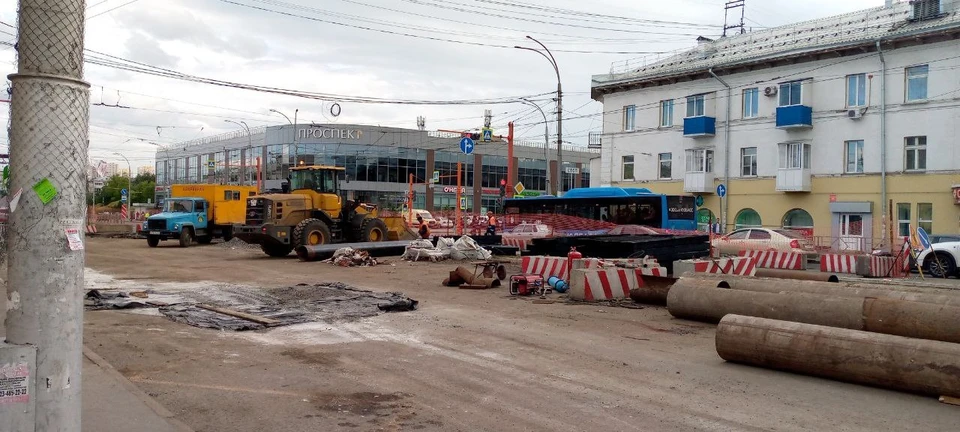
198	213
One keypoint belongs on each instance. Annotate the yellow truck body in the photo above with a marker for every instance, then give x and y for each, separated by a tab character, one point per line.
227	203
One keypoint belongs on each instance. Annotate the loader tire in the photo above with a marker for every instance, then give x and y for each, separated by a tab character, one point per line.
311	232
373	230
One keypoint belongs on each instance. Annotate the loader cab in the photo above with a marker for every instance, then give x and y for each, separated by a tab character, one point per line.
321	184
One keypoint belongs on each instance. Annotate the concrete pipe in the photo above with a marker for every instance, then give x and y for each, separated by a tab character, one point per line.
839	290
654	290
889	316
895	362
797	275
472	279
695	300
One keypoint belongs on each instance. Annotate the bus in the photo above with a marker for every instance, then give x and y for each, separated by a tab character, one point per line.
621	206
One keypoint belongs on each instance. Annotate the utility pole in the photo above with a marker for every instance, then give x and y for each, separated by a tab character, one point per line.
243	152
48	145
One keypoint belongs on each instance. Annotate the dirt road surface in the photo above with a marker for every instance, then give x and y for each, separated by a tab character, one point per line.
466	360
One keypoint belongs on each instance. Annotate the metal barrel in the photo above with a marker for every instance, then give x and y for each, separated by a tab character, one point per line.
895	362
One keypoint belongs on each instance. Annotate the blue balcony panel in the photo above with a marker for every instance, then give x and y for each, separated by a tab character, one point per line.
702	126
794	116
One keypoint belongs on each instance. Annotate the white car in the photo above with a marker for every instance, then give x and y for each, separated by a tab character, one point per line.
941	259
521	235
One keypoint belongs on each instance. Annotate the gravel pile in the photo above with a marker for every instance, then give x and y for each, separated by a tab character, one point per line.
236	243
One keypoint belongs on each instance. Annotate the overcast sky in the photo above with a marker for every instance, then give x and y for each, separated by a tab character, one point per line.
329	52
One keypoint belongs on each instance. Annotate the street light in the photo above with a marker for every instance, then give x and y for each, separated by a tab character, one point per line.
295	131
129	187
553	62
546	141
243	164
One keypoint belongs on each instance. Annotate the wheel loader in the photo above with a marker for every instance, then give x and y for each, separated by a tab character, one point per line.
312	213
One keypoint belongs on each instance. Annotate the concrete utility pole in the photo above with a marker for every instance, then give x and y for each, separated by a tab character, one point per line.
129	187
556	68
48	145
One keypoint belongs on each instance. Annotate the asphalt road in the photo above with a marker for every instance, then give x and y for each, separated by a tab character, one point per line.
466	360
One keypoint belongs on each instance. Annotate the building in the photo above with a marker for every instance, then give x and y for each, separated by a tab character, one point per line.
378	162
823	125
145	170
111	169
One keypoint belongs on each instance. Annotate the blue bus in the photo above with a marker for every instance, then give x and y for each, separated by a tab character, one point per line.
621	206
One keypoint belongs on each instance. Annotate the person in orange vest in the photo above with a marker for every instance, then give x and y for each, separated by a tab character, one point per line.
491	224
424	228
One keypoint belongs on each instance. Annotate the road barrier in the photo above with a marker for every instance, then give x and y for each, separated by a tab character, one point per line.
740	266
544	266
882	266
776	260
604	284
838	263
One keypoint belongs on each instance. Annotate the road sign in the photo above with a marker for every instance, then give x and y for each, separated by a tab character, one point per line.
466	145
123	192
123	198
699	201
211	164
722	191
519	188
924	238
436	177
98	184
571	170
487	134
463	203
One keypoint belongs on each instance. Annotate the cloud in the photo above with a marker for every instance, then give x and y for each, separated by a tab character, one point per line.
146	50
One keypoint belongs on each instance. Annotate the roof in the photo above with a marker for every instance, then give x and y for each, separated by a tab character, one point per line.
836	32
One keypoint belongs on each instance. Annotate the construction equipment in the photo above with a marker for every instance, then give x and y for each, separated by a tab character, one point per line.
198	212
313	213
527	284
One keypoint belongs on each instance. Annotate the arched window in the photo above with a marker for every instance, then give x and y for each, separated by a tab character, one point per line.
748	218
799	220
704	219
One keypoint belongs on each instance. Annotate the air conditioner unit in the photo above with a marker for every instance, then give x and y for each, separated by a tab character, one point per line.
925	9
854	114
770	91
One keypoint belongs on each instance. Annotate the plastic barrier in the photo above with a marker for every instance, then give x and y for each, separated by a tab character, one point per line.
837	263
777	260
881	267
740	266
604	284
544	266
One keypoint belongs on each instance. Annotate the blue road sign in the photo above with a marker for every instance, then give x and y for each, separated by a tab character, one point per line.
123	192
123	198
487	135
466	145
924	238
721	191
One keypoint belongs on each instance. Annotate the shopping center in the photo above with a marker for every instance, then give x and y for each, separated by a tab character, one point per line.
378	162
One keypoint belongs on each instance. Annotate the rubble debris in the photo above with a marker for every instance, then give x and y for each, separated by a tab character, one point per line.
424	250
350	257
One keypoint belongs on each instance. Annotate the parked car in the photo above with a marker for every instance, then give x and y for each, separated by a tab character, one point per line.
427	217
941	259
763	239
934	239
521	235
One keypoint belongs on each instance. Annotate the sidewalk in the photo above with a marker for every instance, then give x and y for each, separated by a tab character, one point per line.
111	403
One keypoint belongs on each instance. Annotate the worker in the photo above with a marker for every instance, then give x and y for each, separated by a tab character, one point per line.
424	228
491	224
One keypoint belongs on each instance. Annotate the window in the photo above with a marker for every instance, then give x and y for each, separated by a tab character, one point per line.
794	156
704	219
917	83
856	90
751	102
739	235
696	106
666	113
903	219
629	117
699	161
748	162
791	93
666	166
925	217
747	218
760	235
854	157
916	153
798	219
628	168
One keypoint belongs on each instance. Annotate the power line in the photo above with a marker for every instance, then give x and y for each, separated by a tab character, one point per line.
112	9
521	5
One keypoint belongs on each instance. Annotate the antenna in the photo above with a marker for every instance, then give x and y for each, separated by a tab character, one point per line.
421	122
734	4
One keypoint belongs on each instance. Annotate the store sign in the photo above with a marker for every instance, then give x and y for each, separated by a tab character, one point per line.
329	133
453	189
463	190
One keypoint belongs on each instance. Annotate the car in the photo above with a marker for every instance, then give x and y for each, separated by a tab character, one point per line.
934	239
763	239
941	259
521	235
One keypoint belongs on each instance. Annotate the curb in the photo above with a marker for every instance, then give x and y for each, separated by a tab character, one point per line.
132	388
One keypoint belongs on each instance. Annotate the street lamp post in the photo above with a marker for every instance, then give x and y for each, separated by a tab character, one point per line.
243	164
295	131
556	68
546	142
129	187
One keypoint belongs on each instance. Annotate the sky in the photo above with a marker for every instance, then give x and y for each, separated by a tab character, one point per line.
423	50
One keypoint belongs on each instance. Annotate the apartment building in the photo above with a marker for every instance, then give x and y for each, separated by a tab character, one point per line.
846	127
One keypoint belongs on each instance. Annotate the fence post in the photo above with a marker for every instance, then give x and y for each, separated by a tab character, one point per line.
48	160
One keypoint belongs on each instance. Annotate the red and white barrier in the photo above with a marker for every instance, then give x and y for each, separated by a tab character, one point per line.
520	243
91	229
545	266
740	266
838	263
647	266
777	260
604	284
880	267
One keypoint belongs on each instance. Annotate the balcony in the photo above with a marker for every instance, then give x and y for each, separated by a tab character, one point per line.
793	180
698	182
794	117
701	126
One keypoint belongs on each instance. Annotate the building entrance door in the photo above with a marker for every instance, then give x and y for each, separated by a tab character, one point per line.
851	232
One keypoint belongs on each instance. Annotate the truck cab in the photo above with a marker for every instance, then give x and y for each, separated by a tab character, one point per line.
183	219
198	212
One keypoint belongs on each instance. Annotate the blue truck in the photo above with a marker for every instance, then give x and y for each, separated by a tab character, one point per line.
198	213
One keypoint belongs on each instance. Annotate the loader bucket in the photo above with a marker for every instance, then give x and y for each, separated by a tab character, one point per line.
397	229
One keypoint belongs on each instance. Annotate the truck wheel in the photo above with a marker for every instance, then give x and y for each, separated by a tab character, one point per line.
311	232
207	239
373	230
276	251
186	237
153	241
227	234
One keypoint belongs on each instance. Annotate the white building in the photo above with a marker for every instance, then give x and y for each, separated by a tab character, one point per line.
816	125
146	169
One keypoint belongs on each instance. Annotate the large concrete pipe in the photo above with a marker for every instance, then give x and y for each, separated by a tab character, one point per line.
896	317
797	275
913	365
832	289
747	283
654	290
